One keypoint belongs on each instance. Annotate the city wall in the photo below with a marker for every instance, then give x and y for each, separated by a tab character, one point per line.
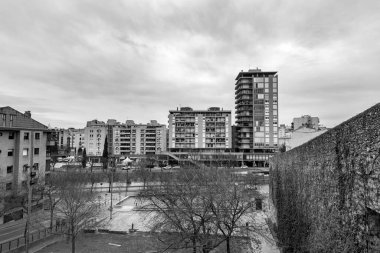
326	192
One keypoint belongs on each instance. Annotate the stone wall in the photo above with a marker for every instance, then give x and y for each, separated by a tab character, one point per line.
326	191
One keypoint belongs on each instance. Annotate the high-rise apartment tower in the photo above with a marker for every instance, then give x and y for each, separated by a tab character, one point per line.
256	104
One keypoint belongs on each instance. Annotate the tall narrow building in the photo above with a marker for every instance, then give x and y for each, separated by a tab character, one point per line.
256	104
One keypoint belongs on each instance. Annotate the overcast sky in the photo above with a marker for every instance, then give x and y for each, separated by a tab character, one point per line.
71	61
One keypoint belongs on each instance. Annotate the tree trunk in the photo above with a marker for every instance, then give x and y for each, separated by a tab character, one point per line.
228	245
72	239
194	245
51	217
72	244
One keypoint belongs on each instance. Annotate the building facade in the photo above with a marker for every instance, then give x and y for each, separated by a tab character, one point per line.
95	132
256	104
199	130
306	121
137	139
23	142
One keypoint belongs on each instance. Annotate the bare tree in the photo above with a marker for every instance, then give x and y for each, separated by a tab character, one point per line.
143	172
179	205
77	205
231	206
204	206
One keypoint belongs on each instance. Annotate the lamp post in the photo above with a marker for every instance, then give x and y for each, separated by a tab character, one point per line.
113	169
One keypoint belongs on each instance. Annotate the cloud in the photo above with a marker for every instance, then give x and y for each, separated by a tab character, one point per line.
72	61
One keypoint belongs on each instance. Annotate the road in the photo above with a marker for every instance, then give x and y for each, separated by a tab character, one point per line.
13	230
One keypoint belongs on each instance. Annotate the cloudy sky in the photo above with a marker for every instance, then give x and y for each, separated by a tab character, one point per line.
71	61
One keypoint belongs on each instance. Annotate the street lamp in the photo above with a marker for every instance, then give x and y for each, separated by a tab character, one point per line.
113	169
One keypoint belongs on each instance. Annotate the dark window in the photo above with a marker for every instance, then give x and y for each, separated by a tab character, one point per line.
36	151
8	186
11	135
3	117
9	169
35	166
10	152
26	136
37	136
11	120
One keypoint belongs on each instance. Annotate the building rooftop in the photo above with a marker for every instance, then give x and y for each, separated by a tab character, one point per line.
251	72
19	120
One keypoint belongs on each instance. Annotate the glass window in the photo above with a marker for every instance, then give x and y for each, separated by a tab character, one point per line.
8	186
37	136
274	90
36	151
25	152
26	136
11	135
10	152
266	85
275	85
267	79
266	90
260	96
3	117
11	120
260	85
9	169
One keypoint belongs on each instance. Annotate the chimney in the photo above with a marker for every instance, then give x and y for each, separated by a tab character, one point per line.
28	114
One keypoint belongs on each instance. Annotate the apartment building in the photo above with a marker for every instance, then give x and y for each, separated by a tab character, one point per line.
199	130
305	121
23	142
256	100
68	141
95	134
138	139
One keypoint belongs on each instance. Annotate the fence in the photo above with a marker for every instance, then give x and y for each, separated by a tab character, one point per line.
16	243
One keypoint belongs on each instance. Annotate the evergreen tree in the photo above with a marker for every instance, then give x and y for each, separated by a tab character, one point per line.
105	154
84	158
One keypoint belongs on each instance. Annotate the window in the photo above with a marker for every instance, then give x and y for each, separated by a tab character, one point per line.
9	169
3	117
36	151
11	135
10	152
36	166
37	136
8	186
25	152
11	120
26	136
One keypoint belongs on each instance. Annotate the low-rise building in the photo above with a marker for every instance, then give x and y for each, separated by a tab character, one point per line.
305	121
23	142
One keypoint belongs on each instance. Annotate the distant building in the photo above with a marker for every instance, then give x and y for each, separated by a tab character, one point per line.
137	139
300	136
306	121
256	100
95	134
199	130
23	142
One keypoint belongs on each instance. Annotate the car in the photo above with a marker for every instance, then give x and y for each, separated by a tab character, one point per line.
244	166
167	167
